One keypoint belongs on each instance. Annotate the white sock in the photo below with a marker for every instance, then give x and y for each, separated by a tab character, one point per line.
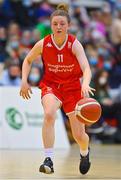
49	152
84	152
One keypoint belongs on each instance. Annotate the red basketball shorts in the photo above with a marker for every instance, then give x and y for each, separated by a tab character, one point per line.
69	94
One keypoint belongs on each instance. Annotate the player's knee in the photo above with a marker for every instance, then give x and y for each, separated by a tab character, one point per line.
49	117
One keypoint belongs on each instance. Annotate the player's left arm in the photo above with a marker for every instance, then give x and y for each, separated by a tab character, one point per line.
78	51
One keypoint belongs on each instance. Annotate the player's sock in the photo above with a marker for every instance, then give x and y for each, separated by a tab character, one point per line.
84	152
49	152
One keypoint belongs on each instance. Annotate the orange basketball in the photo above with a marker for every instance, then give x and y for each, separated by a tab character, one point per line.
88	111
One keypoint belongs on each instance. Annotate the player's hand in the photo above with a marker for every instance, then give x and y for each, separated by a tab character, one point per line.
25	90
87	90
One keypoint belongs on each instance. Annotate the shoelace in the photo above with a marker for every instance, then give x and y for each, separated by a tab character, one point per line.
48	162
84	158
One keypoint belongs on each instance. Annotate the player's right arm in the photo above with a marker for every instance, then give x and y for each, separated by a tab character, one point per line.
26	67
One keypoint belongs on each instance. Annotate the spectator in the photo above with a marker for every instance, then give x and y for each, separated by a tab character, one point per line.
34	76
80	14
14	29
115	36
35	36
3	41
25	43
11	75
13	47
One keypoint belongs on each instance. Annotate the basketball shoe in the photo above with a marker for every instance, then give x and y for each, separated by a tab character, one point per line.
84	165
47	166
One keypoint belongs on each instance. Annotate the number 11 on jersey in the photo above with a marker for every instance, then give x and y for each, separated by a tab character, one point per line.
60	57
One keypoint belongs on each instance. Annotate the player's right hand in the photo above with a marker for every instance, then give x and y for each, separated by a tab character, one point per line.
25	90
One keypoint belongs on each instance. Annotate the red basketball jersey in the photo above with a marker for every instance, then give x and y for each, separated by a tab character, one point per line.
60	64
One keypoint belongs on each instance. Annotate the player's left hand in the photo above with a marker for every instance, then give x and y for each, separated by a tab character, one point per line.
87	90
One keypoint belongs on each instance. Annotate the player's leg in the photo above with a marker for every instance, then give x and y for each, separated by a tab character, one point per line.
50	105
78	131
81	137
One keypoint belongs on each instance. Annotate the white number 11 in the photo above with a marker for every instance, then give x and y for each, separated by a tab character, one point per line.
60	57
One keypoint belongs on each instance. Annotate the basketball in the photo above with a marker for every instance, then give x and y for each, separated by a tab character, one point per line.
88	111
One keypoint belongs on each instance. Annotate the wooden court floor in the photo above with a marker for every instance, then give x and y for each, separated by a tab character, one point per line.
24	164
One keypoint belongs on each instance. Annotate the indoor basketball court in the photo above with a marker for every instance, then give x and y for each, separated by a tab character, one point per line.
24	164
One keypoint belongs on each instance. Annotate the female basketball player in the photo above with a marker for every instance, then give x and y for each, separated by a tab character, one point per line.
64	63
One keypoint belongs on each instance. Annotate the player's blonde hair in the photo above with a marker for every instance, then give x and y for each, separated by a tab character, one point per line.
61	10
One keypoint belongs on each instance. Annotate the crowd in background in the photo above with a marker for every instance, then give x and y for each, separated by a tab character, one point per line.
24	22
